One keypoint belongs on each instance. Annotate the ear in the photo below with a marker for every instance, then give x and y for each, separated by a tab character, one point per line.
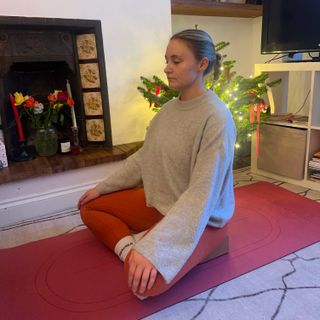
204	63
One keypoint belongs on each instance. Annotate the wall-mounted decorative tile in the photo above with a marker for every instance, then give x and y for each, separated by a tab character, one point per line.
92	103
90	77
95	130
86	45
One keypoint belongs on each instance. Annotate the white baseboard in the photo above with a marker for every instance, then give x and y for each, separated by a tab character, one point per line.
34	206
42	196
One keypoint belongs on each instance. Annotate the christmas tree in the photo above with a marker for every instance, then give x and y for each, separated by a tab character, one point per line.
245	97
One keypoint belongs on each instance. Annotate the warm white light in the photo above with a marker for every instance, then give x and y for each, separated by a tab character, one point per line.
237	145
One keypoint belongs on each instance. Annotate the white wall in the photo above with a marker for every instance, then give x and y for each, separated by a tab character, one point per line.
257	57
135	36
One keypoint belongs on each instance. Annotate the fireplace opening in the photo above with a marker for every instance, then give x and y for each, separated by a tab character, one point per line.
39	79
38	56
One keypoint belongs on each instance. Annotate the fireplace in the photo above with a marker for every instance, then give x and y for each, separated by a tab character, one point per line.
38	56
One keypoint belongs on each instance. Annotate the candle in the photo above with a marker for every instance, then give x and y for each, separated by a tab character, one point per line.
16	116
73	115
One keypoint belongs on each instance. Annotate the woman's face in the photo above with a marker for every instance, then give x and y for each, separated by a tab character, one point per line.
182	69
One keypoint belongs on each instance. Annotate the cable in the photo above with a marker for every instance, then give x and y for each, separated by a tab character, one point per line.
276	58
314	58
305	100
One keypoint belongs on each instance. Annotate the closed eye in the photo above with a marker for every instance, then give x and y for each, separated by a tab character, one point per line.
173	59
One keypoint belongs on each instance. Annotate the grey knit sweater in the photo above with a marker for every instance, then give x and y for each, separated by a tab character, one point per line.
185	166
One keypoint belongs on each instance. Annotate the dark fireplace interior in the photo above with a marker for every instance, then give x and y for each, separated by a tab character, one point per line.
40	79
38	56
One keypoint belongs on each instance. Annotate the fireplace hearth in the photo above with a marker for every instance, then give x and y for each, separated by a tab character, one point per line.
38	56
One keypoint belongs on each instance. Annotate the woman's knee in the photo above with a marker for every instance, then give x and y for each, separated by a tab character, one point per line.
84	214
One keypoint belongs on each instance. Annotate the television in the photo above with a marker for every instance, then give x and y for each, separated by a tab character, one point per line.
290	26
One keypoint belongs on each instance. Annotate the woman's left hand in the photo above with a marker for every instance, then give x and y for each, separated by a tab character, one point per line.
142	273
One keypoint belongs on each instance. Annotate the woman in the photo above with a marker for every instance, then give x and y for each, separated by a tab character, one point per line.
185	166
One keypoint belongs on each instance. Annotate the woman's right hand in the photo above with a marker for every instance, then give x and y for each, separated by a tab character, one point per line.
89	195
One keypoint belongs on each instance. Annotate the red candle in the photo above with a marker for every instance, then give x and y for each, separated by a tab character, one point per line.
16	115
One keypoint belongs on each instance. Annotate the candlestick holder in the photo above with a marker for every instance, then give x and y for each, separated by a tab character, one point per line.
21	153
75	146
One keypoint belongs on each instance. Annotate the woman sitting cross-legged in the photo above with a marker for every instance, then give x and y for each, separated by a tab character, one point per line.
185	168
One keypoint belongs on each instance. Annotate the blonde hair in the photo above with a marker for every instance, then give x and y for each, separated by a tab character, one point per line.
202	46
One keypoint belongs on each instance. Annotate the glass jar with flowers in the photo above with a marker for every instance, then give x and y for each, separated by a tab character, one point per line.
44	117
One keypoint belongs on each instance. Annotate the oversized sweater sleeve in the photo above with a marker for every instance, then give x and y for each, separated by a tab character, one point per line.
171	242
127	176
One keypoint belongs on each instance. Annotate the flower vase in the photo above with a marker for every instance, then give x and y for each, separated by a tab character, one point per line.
46	142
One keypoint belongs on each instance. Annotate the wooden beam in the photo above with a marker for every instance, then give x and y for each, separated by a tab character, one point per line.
210	8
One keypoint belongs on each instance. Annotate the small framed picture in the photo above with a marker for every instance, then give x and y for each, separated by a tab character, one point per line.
95	130
92	103
86	46
90	77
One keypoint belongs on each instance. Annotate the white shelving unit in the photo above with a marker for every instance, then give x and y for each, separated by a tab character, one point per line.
299	92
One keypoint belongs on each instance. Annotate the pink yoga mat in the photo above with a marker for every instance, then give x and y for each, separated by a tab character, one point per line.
74	277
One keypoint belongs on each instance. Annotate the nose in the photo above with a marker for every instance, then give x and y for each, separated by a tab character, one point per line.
167	69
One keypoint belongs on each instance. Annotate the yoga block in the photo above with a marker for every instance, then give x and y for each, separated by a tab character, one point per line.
220	250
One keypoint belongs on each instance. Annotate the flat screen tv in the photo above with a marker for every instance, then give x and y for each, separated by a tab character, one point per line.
290	26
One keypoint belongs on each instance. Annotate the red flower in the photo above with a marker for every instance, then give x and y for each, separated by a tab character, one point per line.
158	90
62	95
52	98
70	102
30	103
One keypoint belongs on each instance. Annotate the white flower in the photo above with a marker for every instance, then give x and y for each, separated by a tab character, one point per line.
38	108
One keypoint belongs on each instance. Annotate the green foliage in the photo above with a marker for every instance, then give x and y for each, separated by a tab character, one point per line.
239	93
149	92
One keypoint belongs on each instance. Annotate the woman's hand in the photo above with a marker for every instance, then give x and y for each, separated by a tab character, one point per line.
89	195
142	273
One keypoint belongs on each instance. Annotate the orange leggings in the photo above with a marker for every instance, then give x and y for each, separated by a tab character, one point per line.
116	215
